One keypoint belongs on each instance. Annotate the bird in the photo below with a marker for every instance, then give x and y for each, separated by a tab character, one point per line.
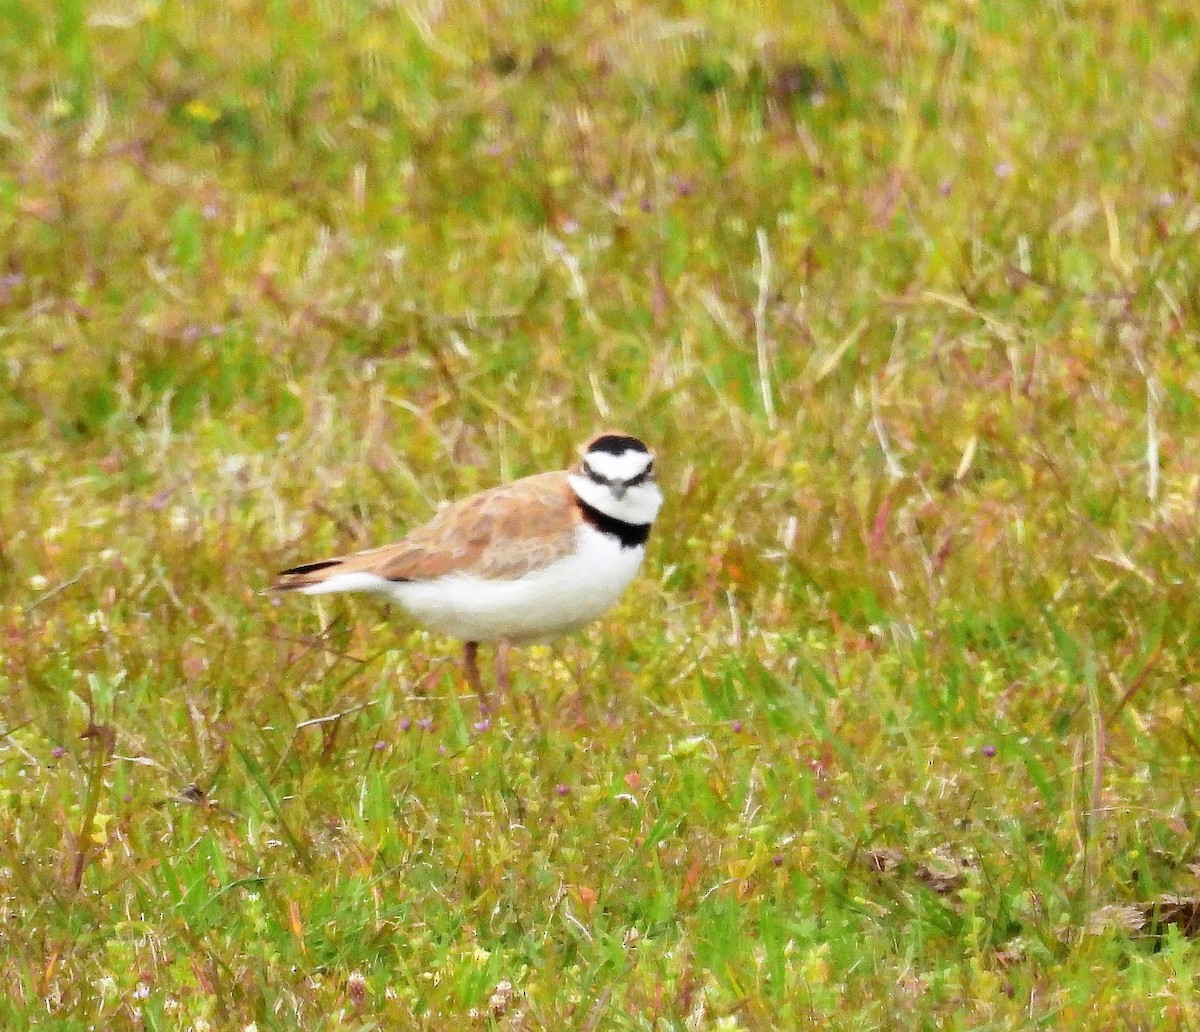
520	563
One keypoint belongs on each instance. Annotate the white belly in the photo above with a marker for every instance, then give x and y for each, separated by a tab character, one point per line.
559	598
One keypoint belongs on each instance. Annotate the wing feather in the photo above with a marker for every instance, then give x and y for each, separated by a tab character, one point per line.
497	534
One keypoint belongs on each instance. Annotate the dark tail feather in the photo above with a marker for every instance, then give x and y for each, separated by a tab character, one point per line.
303	576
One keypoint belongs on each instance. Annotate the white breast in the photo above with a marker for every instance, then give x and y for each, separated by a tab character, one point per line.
559	598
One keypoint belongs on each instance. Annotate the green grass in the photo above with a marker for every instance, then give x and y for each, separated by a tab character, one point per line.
904	708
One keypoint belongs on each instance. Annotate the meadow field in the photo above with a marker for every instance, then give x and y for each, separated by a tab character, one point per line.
898	727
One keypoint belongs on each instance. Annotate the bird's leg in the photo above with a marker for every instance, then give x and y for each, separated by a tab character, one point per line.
471	665
501	667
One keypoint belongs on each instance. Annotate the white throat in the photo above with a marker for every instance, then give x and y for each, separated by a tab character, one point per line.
638	506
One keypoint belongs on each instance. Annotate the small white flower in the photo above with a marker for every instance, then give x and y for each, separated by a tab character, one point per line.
233	465
501	997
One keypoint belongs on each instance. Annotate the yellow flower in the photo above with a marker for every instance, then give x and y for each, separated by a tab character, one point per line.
100	833
202	111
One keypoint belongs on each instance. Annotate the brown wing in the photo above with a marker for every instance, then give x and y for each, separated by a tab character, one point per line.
496	534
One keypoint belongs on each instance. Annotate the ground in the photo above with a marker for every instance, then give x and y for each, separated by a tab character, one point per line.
898	727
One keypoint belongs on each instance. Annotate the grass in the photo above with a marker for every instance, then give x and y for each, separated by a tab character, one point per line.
897	730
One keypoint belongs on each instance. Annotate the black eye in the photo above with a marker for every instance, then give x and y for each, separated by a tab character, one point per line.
642	477
593	475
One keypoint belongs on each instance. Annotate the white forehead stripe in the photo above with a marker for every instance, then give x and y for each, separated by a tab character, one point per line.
626	466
